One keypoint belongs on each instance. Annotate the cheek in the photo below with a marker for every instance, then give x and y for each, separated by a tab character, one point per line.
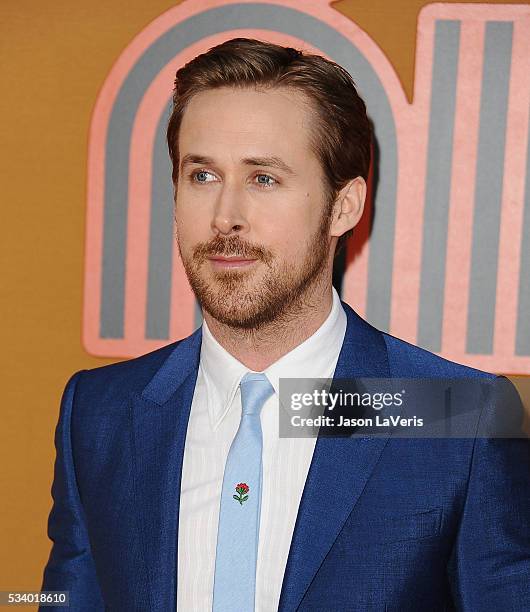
184	218
304	221
192	221
289	230
291	245
187	234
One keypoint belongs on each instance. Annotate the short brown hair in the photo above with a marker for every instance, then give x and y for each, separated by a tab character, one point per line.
343	134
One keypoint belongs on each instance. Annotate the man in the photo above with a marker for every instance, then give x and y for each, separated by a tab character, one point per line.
173	487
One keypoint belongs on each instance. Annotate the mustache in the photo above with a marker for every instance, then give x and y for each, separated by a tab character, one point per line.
232	246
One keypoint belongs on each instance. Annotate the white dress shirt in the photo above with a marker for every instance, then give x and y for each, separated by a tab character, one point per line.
214	420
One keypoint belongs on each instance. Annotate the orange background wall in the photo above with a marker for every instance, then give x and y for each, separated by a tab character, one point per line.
54	58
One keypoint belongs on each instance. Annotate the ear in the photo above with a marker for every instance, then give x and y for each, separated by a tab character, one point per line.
348	207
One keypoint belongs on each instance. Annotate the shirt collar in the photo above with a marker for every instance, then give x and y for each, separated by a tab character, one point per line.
316	357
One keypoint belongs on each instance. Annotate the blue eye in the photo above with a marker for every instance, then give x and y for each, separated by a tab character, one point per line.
269	181
200	175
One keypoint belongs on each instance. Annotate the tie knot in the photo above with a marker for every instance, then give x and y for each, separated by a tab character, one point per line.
255	391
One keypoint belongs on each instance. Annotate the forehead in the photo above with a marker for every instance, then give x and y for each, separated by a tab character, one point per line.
248	122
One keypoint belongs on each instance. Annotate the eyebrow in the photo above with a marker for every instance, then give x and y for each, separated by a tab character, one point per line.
191	158
267	162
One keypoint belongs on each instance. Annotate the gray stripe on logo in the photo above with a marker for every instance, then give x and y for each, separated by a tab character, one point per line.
522	344
488	188
117	173
161	235
216	20
197	316
438	184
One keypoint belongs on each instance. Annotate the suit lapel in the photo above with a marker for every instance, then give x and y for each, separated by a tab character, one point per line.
160	418
347	462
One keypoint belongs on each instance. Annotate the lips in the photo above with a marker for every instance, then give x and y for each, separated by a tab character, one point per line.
221	258
231	262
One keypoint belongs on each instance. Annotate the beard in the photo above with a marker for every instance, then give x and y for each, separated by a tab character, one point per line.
237	299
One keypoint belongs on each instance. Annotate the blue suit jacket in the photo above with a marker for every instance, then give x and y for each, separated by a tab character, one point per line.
384	523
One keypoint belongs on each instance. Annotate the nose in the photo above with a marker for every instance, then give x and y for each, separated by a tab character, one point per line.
229	213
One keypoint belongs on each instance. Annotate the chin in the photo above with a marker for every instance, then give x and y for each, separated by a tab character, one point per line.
238	309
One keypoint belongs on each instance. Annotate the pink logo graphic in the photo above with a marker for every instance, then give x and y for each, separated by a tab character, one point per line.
442	256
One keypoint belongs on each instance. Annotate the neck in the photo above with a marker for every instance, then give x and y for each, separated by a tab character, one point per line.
257	349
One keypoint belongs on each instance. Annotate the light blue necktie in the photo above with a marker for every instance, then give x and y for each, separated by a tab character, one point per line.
239	514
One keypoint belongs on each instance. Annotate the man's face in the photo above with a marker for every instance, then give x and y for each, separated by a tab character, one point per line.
251	216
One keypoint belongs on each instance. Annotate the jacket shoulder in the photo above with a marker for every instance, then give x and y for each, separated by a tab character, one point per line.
115	382
410	361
